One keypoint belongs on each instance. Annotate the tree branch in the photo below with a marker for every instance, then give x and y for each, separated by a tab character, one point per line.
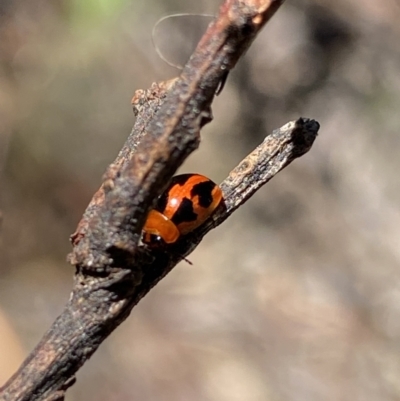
113	271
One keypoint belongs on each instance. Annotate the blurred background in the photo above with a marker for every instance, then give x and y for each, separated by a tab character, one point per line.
297	296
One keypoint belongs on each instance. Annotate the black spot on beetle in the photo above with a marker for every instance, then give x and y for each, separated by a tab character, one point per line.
184	213
162	202
180	179
204	191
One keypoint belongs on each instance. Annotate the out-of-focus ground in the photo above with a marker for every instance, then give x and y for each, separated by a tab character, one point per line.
297	296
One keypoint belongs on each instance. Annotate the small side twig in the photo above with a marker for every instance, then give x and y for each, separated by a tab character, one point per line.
113	272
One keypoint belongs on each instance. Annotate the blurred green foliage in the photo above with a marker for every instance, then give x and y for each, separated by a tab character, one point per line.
92	12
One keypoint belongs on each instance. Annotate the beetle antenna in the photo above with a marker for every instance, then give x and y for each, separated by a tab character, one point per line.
187	261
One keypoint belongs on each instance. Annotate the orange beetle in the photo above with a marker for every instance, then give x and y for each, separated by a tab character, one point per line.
188	201
159	229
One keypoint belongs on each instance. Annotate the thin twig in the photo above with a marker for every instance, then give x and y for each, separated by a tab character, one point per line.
113	271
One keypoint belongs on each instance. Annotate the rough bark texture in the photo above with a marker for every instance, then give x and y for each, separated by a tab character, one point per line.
113	270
